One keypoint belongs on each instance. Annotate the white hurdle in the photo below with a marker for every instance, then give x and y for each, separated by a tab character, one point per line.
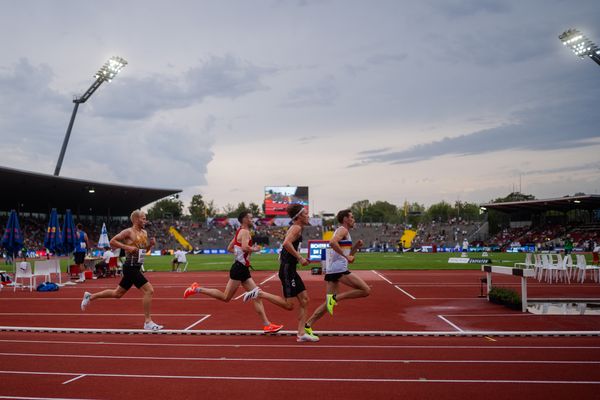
523	273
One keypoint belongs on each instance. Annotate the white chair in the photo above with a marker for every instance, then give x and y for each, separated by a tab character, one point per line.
582	269
528	262
46	268
23	271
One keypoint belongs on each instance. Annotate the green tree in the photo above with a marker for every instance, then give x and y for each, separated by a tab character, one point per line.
170	207
197	208
441	211
211	209
255	209
360	209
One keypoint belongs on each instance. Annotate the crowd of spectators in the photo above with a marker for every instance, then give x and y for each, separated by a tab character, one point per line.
377	236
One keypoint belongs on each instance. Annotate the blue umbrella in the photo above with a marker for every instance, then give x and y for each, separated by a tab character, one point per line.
69	233
53	239
12	240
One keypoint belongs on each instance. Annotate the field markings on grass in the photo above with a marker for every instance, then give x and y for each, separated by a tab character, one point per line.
263	282
450	323
405	292
299	346
307	379
205	316
299	360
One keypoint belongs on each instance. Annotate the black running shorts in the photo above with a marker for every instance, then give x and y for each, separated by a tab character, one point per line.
239	272
290	280
132	275
335	276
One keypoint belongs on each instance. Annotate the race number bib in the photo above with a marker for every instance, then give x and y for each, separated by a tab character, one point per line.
141	255
82	245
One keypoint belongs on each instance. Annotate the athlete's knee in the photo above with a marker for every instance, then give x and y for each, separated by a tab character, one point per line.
117	294
304	301
366	291
288	305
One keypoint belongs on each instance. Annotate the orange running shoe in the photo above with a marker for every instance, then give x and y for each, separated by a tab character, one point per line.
191	290
272	328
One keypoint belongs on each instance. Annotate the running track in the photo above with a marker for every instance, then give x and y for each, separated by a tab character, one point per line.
103	366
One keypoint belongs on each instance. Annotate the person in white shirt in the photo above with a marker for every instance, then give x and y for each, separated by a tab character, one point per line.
178	258
102	266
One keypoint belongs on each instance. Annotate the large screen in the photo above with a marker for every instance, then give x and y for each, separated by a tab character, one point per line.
277	198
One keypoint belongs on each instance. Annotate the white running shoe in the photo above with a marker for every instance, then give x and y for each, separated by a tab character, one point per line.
86	300
307	338
251	295
152	326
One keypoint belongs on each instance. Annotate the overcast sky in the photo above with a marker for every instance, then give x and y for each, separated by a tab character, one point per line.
382	100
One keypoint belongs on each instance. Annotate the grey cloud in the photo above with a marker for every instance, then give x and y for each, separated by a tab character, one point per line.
572	168
561	126
137	98
382	58
321	93
465	8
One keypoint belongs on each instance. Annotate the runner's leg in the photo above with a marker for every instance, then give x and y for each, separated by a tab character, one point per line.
223	296
248	285
116	293
360	288
148	292
332	288
303	305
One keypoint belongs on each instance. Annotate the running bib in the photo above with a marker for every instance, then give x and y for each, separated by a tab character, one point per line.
82	245
141	256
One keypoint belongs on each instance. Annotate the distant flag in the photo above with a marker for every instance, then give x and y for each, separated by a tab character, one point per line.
103	241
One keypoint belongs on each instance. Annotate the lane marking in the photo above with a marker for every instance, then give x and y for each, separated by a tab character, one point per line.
450	323
298	379
381	276
250	332
405	292
320	346
309	360
73	380
197	322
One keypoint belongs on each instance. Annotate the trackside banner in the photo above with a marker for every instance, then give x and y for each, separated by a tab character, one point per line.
466	260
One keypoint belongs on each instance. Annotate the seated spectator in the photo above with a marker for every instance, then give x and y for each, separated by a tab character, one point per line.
102	266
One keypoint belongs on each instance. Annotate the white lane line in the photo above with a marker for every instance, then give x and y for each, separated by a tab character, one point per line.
299	360
297	379
73	380
450	323
268	279
197	322
288	346
265	281
381	276
405	292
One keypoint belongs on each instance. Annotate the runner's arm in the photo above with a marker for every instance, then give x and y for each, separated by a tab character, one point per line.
117	241
245	241
292	235
230	246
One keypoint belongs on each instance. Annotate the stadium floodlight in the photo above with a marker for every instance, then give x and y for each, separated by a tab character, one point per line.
580	44
106	73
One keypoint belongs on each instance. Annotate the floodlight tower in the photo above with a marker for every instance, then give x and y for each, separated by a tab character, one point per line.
580	44
107	73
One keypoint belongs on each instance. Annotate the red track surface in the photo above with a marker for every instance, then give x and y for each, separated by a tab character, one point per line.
166	366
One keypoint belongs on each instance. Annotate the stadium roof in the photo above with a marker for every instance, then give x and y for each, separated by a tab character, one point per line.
564	204
39	193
